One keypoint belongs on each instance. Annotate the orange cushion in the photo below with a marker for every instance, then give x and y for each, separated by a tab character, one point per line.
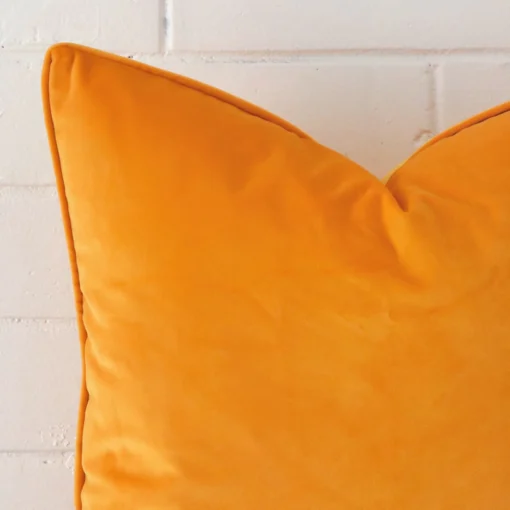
264	324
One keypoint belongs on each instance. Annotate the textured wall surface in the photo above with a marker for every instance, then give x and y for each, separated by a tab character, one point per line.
371	79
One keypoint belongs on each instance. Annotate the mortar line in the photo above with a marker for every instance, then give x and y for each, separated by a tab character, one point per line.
8	452
434	99
164	25
45	320
281	55
438	97
48	185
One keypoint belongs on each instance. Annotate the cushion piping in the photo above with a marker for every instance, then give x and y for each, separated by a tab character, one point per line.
78	295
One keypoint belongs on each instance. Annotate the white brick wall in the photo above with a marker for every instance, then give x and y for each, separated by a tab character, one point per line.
372	79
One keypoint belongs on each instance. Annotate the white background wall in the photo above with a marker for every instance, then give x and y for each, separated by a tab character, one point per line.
372	78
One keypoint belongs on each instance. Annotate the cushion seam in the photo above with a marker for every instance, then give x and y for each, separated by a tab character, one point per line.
78	294
450	133
189	83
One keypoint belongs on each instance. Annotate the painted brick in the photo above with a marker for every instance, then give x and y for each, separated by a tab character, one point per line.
229	25
468	88
119	25
39	394
34	269
25	157
36	482
375	114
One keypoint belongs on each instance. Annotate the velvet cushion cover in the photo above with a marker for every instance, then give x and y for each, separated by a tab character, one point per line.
265	325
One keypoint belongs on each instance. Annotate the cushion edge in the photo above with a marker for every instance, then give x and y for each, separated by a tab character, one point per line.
198	86
78	295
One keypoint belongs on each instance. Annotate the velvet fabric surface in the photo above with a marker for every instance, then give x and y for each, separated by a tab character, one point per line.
264	324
